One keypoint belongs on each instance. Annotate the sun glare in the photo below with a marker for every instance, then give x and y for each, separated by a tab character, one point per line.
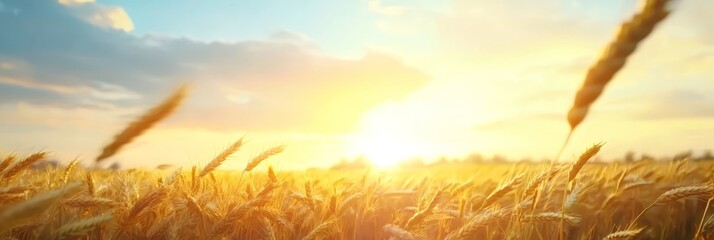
385	139
382	150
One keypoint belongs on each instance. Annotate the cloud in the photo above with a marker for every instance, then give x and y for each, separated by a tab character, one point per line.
378	7
99	14
498	31
485	27
283	83
678	104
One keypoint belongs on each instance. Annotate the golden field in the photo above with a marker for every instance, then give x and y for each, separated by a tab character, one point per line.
478	201
568	199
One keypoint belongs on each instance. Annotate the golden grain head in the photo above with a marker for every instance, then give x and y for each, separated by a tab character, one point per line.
143	123
685	192
624	235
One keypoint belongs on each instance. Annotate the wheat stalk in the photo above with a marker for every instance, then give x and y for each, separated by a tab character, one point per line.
193	205
323	231
349	202
262	156
81	227
708	225
573	196
235	214
582	160
6	162
220	158
273	215
461	188
676	194
90	202
331	207
22	212
536	182
471	229
419	216
624	235
69	169
551	217
271	175
500	192
13	194
25	163
148	201
143	123
613	59
684	192
90	184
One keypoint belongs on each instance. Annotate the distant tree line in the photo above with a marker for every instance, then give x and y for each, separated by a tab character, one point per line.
475	158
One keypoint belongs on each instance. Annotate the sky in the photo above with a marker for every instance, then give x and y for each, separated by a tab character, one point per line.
388	80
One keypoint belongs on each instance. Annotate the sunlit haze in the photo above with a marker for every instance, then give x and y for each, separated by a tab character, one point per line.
331	80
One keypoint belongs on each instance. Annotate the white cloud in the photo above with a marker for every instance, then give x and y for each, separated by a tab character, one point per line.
99	14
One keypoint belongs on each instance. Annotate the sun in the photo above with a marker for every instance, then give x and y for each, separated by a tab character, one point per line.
383	150
387	139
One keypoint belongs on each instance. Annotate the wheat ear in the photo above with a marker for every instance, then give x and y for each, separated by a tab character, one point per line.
90	184
676	194
471	229
222	157
146	202
13	194
684	192
81	227
500	192
419	216
262	156
36	205
69	169
624	235
90	202
551	217
631	33
582	160
25	163
6	162
143	123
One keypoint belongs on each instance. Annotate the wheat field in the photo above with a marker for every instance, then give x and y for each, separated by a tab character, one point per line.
642	200
568	199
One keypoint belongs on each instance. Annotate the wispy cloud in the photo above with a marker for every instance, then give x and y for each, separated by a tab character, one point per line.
280	83
378	6
100	14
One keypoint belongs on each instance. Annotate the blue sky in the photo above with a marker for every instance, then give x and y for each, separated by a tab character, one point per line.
333	79
342	28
